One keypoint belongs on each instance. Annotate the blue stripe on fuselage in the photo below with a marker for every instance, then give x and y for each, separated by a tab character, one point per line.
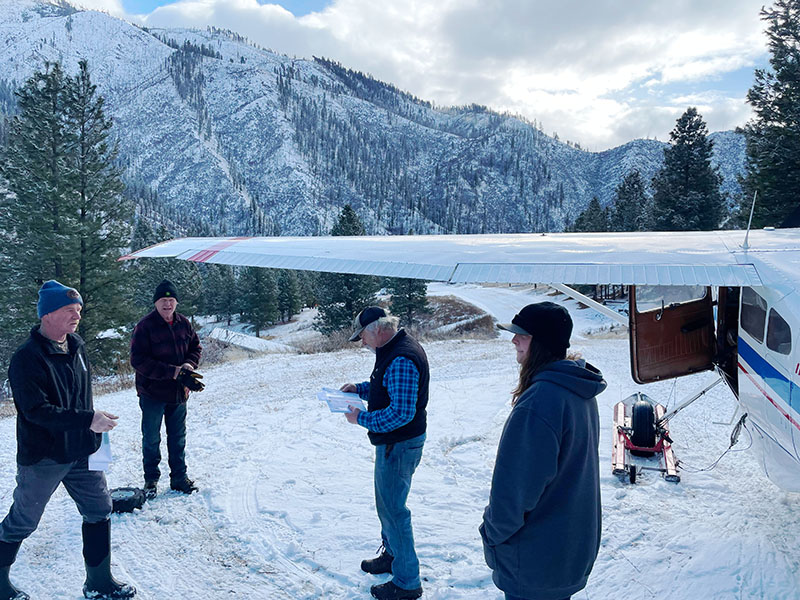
771	376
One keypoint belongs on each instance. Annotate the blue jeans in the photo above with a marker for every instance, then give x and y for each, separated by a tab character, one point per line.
394	466
174	417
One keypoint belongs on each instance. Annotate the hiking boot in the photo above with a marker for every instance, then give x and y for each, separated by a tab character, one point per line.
185	486
150	489
378	565
389	591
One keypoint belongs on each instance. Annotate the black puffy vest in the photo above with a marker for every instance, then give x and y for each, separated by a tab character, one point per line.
400	345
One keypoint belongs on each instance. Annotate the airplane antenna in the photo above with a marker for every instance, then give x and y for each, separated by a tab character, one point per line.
746	246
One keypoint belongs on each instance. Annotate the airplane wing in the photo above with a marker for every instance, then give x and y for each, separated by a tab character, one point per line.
638	258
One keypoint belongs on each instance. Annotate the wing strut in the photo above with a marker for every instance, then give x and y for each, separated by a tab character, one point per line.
576	295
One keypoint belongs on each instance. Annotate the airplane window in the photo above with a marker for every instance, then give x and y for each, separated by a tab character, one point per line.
779	334
649	297
754	313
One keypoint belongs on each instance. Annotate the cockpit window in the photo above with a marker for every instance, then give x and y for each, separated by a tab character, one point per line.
779	334
754	313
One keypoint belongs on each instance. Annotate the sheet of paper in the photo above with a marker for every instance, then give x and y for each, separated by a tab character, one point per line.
101	460
338	401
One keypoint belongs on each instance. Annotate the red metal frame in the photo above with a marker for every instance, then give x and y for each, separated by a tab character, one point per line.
622	444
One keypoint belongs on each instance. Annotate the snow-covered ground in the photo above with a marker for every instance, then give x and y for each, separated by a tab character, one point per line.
285	508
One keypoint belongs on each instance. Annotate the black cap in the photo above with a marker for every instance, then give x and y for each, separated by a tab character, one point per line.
546	322
165	289
364	318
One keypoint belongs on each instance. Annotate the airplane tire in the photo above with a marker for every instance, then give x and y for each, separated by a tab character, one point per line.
643	422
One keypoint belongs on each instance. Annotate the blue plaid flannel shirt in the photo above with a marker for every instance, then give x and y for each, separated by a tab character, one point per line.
402	382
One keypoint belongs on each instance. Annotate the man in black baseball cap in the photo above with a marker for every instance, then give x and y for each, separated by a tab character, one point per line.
396	422
364	318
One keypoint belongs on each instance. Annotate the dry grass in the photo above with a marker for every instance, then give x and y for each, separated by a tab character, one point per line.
453	318
329	343
447	318
7	409
114	383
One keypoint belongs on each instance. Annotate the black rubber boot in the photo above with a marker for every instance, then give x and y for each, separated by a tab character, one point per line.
100	583
8	554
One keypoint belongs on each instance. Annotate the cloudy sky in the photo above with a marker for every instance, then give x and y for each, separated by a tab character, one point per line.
597	72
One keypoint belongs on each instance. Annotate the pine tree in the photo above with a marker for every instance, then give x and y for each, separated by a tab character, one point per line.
773	136
104	216
594	218
686	191
289	302
189	283
63	215
39	170
308	282
409	298
630	204
221	292
259	297
342	297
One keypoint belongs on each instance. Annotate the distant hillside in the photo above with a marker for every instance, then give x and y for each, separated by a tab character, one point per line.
250	141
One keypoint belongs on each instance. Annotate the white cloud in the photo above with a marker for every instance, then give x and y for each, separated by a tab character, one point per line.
112	7
574	63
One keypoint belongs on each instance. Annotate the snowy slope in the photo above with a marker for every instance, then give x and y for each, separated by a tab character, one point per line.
285	509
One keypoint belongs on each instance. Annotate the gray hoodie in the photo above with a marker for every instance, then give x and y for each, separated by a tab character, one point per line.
541	529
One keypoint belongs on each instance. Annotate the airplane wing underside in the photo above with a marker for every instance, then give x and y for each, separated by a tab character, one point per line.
651	258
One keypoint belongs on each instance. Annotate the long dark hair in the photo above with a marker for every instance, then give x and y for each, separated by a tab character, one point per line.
537	358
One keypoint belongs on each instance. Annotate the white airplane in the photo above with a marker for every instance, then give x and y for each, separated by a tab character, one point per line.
722	300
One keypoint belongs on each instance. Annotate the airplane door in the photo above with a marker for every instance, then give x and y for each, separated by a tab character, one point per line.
727	356
671	331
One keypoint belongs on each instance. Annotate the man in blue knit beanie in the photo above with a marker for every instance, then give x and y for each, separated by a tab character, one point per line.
57	429
53	295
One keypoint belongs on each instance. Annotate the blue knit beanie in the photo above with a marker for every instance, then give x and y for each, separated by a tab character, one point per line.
53	295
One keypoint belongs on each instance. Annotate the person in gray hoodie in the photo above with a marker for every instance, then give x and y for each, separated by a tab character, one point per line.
541	529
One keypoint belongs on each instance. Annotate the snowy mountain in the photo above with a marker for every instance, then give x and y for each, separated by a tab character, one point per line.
250	141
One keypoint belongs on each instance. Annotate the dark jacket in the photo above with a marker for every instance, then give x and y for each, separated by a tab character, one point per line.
53	396
157	347
403	345
541	530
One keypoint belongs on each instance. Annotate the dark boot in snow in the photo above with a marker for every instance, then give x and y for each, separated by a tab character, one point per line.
381	564
8	554
150	489
185	485
7	590
100	583
389	591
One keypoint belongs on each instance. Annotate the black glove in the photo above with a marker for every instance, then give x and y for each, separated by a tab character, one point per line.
190	379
